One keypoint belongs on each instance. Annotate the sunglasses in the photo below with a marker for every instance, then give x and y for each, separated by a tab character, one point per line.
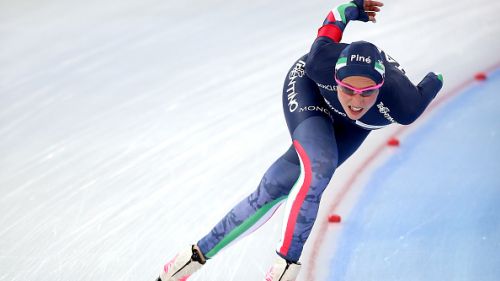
364	92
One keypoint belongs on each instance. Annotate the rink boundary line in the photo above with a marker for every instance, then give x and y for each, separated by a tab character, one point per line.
381	147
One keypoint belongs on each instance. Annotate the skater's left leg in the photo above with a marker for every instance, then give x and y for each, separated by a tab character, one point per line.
316	146
320	151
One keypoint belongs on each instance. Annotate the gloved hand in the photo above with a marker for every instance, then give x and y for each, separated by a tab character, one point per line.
361	10
431	84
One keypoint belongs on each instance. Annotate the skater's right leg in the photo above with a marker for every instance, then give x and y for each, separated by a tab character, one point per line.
253	211
244	218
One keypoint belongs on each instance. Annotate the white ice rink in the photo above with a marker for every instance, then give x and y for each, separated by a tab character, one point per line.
129	128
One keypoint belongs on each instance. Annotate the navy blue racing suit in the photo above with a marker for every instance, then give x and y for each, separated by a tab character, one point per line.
323	137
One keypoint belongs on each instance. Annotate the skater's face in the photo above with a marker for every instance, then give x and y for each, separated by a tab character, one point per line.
356	104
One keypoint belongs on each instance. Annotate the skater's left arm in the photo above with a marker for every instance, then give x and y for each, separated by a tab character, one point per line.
408	101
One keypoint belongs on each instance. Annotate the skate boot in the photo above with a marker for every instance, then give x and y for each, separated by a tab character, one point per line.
283	270
183	265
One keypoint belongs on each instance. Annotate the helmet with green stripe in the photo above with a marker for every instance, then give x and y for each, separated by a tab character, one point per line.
360	58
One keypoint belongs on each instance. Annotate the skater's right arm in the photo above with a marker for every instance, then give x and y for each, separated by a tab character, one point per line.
326	47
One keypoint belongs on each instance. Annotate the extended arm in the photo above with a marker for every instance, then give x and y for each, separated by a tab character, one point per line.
338	18
413	100
330	33
408	101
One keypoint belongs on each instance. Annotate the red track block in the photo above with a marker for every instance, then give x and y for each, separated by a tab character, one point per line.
393	142
334	218
481	76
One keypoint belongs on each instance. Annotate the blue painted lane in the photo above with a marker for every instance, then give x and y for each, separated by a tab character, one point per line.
432	211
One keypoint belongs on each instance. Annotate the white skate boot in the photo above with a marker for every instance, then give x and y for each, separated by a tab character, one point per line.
183	265
283	270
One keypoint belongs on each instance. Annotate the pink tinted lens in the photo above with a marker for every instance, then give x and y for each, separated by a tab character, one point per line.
358	90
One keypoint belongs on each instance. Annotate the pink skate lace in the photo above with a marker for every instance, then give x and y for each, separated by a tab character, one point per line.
167	267
269	277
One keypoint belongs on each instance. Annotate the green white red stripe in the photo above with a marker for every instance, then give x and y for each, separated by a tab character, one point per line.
379	66
339	12
296	198
251	224
341	62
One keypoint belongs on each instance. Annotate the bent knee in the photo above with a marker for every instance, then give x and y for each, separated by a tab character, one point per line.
318	162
